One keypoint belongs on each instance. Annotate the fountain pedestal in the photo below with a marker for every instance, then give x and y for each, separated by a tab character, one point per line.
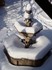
35	55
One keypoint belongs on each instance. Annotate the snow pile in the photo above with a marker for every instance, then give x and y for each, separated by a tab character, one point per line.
35	27
36	51
45	19
28	8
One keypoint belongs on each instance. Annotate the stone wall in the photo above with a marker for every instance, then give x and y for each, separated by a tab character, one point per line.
2	3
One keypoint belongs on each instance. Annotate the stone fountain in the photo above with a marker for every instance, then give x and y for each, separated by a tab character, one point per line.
26	48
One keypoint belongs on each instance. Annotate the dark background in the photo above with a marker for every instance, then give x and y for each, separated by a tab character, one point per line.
46	6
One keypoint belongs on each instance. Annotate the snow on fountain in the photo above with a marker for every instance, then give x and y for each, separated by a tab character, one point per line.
25	48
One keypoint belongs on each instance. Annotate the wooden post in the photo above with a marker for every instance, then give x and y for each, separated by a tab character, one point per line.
2	3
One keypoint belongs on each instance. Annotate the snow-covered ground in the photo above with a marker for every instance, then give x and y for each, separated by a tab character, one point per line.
13	9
